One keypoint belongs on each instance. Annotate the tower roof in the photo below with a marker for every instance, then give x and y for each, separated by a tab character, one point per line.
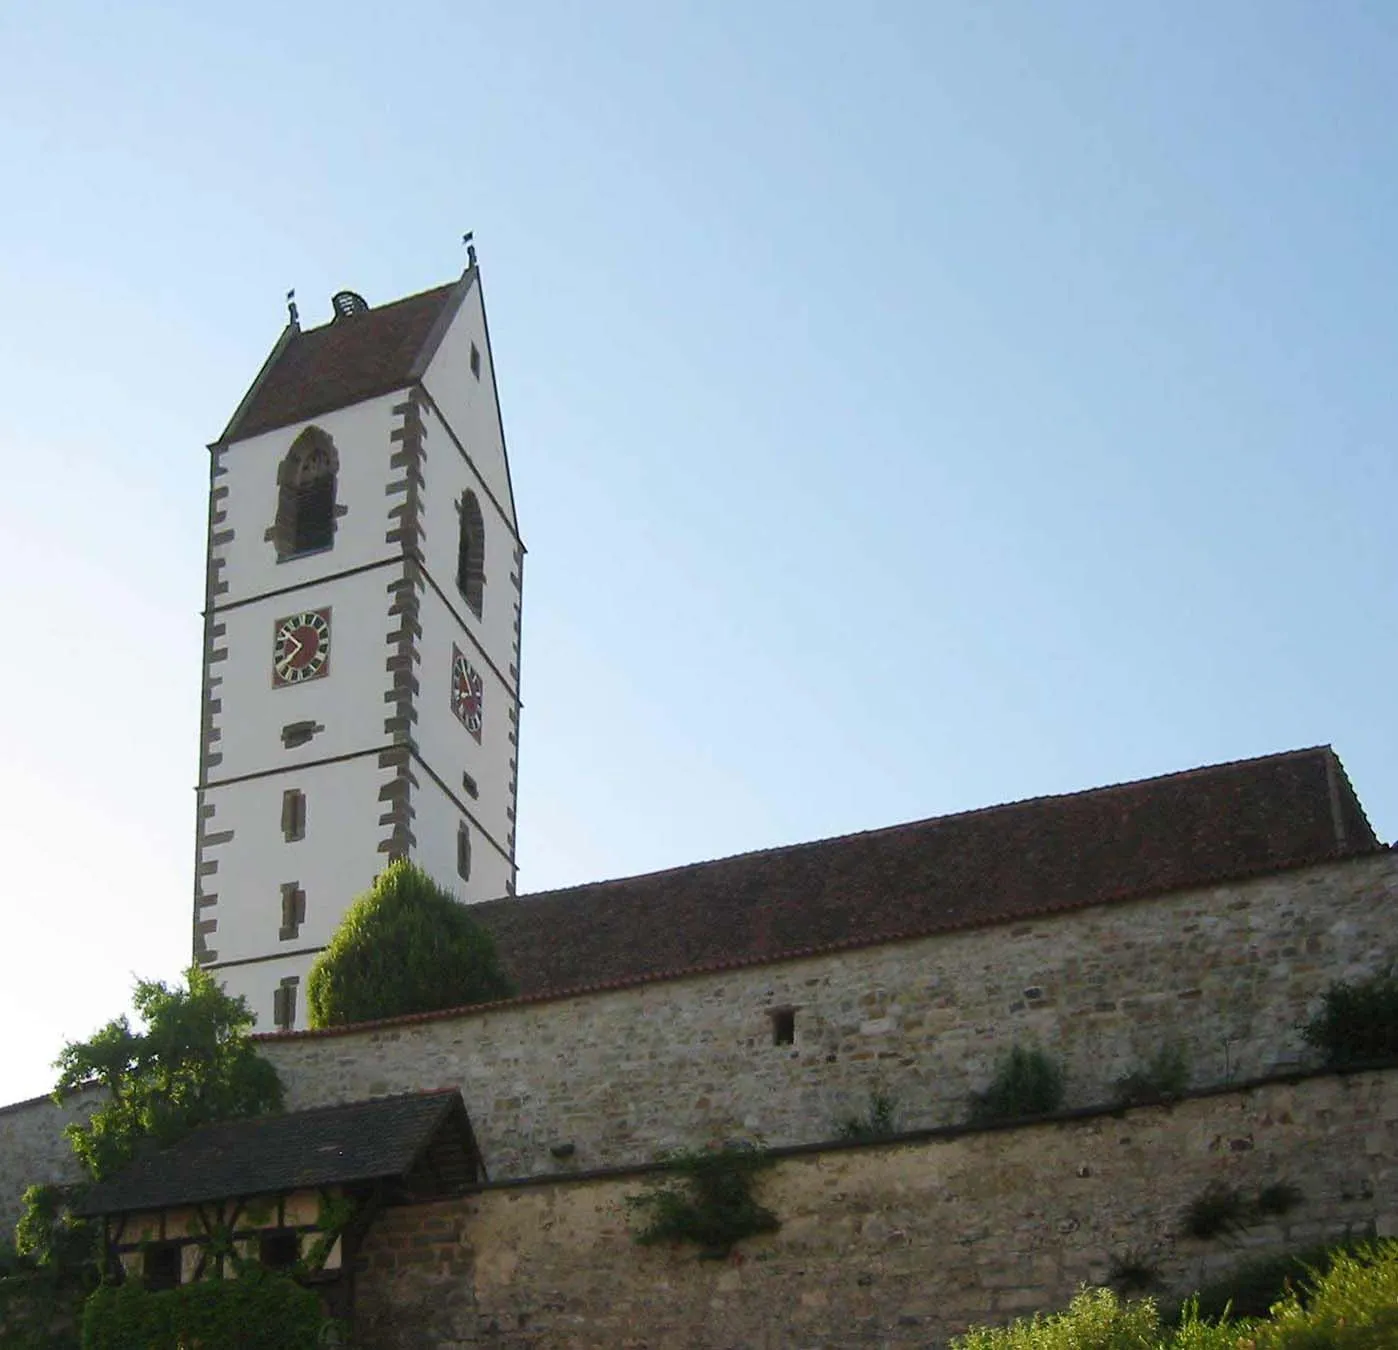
358	355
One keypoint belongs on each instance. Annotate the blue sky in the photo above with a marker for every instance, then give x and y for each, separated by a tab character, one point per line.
911	406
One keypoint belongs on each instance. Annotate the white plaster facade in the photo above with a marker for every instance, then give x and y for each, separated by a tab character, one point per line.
388	768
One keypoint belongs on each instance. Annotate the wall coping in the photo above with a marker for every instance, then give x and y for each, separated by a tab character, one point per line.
934	1133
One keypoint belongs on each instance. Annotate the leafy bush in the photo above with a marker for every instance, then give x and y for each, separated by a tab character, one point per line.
260	1310
1352	1306
876	1123
1026	1083
1356	1022
708	1201
47	1235
38	1311
1164	1079
1099	1319
1254	1286
405	946
192	1064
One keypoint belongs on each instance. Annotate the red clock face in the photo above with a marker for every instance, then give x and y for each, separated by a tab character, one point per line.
301	647
466	692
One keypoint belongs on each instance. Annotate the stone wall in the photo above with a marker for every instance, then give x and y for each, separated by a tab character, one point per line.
890	1245
626	1075
33	1149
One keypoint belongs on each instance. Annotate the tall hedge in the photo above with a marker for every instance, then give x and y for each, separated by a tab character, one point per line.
406	945
257	1311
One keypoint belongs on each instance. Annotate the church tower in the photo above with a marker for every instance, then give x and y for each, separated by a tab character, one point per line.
361	636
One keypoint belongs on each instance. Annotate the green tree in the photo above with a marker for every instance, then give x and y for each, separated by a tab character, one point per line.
406	945
191	1063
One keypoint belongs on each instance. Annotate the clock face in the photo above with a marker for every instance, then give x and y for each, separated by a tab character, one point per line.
301	647
466	691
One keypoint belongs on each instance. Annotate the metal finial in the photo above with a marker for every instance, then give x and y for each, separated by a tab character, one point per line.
294	317
470	247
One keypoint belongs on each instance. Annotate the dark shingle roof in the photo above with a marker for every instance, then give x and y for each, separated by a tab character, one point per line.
334	1145
1198	828
353	358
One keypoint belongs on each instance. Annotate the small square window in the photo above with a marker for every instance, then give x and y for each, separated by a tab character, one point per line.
475	361
783	1026
161	1267
280	1250
469	784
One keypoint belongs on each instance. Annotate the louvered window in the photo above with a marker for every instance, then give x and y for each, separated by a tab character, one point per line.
470	553
293	815
306	505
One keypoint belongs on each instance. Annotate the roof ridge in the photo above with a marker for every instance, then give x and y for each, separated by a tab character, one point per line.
378	309
908	825
415	1095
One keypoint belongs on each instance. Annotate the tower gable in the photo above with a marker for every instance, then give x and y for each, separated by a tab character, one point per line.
459	378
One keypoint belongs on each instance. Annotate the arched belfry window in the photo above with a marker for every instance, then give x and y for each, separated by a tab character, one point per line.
470	552
306	506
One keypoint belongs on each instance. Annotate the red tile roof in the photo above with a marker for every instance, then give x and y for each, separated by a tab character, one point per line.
996	865
353	358
1204	827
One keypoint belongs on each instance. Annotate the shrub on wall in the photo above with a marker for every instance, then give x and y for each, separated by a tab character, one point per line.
1163	1079
1026	1083
876	1123
405	946
708	1200
259	1310
1357	1022
1218	1211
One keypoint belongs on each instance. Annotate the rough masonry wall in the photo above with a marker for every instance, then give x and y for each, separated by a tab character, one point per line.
896	1245
624	1076
33	1150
